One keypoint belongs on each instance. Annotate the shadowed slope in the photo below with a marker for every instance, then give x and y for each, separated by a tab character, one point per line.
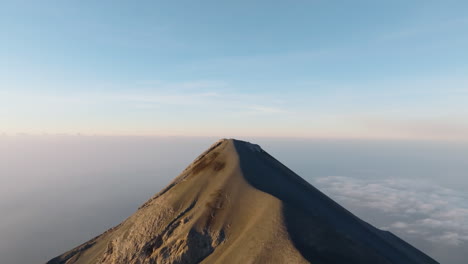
237	204
322	230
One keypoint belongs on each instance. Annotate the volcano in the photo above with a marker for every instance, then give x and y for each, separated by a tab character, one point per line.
237	204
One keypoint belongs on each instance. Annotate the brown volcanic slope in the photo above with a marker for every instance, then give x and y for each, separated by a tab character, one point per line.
237	204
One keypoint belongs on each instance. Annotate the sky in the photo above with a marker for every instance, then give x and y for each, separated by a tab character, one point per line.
309	69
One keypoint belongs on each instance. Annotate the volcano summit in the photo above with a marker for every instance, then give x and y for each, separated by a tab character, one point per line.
237	204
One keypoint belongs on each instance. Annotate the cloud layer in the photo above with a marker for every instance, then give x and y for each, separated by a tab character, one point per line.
415	207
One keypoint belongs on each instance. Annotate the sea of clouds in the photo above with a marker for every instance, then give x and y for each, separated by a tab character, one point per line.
416	207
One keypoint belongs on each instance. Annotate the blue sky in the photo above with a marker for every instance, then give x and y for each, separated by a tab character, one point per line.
347	69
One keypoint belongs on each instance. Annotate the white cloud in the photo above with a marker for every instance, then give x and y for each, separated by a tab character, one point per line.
265	109
450	238
420	208
400	225
157	94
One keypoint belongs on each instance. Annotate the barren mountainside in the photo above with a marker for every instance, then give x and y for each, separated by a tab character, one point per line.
237	204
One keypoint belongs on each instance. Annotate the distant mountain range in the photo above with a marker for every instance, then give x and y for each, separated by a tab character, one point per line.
237	204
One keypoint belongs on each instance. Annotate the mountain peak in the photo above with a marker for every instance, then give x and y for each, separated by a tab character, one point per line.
237	204
251	146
